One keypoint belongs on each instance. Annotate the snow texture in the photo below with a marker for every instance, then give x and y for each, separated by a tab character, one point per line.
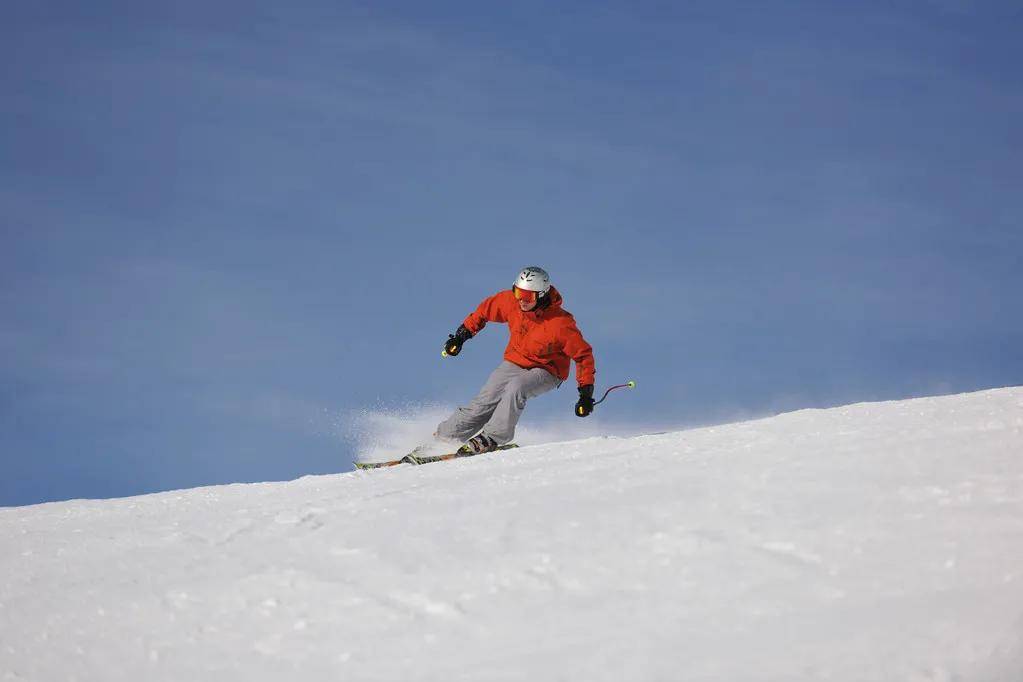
877	541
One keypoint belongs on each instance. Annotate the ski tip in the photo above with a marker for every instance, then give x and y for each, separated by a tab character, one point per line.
365	466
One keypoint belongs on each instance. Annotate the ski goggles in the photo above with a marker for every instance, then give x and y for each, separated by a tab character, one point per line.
525	295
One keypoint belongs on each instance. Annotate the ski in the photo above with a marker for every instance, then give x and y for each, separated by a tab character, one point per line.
412	458
459	453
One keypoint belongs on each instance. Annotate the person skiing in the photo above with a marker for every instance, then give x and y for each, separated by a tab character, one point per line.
543	340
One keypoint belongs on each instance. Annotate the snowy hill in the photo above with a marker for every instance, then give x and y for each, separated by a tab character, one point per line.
879	541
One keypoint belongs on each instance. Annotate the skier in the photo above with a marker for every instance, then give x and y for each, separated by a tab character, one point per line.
543	340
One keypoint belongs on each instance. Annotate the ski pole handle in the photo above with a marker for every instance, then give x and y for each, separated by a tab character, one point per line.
629	384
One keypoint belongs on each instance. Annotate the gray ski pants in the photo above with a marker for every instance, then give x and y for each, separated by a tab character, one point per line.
499	404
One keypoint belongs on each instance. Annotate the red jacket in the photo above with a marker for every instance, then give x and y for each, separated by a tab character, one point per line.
546	338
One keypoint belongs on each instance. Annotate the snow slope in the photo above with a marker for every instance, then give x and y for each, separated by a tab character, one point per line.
879	541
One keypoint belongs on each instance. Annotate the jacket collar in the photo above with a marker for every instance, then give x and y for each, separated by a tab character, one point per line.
554	296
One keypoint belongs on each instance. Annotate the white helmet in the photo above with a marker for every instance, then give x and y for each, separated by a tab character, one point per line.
534	279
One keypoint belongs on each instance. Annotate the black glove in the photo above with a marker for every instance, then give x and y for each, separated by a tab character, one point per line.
453	346
584	407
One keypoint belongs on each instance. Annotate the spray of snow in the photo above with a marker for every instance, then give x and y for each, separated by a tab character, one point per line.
388	432
384	432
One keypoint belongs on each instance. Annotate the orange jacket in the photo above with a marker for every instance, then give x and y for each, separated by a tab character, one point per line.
546	338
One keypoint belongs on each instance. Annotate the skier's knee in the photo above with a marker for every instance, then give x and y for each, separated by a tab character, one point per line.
518	388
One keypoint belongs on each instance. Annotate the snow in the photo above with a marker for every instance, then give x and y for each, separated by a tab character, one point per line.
877	541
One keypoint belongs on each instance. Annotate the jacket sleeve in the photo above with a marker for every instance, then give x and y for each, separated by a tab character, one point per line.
492	309
575	347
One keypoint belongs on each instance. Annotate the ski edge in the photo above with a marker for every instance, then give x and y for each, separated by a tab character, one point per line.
407	459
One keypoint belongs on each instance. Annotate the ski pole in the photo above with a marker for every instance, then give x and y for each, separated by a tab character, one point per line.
629	384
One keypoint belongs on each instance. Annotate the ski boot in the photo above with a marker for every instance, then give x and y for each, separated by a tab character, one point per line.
479	444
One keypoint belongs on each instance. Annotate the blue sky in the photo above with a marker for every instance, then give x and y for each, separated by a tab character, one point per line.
225	226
